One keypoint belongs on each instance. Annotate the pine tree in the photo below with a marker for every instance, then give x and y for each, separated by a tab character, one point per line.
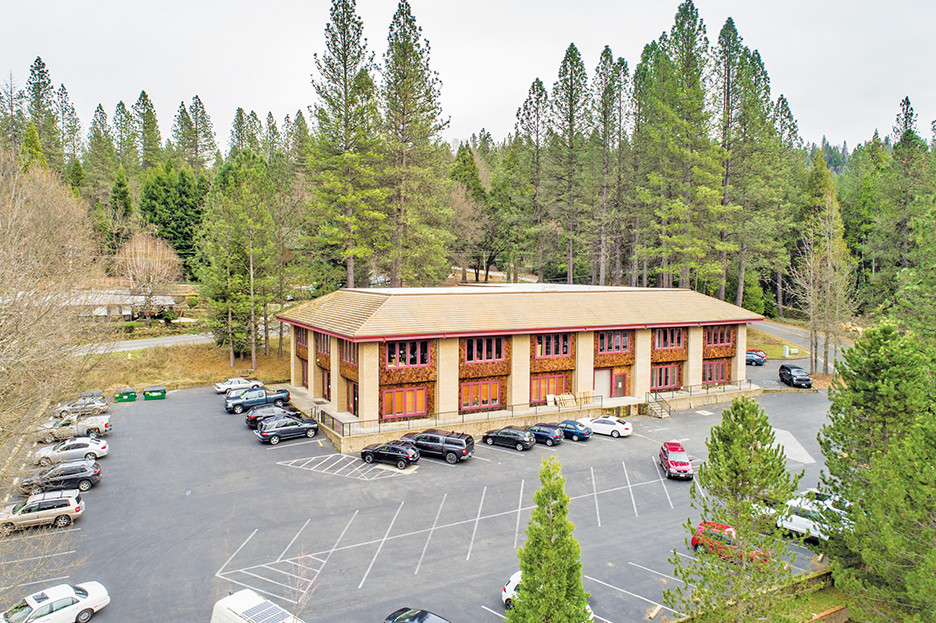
183	134
12	118
270	141
40	108
550	560
173	201
240	133
126	139
32	148
533	127
193	136
745	469
298	140
416	235
69	126
100	158
570	124
150	142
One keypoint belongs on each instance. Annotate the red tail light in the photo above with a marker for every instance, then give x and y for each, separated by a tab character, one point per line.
464	451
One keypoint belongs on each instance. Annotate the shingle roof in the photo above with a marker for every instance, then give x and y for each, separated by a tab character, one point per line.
527	308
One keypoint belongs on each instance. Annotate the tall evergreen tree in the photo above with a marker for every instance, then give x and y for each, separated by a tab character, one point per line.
240	133
271	141
126	139
299	140
416	236
40	108
550	560
100	158
32	148
150	142
194	137
569	127
69	126
533	128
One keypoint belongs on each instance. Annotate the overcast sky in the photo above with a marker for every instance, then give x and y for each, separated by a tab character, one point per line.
843	65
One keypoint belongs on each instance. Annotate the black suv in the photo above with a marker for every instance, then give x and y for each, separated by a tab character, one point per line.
451	446
273	430
519	439
261	412
795	376
72	475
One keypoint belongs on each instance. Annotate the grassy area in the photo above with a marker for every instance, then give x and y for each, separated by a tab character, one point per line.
773	346
805	607
181	366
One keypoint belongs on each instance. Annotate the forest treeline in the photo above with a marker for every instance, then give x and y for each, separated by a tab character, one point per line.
682	168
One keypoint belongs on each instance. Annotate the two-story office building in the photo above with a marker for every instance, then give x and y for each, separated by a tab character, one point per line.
384	354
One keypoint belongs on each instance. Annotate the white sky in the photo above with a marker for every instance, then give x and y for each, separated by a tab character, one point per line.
843	65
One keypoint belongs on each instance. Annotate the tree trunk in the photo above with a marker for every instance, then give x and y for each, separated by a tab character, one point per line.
742	265
779	294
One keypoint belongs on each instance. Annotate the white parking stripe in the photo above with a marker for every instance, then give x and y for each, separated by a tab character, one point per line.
294	539
595	492
477	519
494	613
641	597
61	577
662	575
291	445
631	491
10	562
228	561
519	509
429	538
663	483
259	590
380	547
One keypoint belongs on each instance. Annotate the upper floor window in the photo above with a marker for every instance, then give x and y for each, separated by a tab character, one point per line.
484	349
349	352
719	336
302	336
613	341
322	344
408	354
671	337
552	345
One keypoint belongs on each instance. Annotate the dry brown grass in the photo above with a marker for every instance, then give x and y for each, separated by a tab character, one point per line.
181	366
773	346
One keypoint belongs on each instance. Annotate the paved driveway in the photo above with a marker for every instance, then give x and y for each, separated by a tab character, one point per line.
192	507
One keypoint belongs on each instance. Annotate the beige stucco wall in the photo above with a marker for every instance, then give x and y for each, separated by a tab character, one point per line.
583	379
338	400
295	371
739	365
368	381
518	388
640	384
446	394
693	373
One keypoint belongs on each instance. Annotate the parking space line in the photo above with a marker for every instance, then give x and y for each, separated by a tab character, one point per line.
428	538
340	536
477	519
481	458
10	562
292	445
266	579
35	536
626	592
347	464
61	577
259	590
519	509
494	613
294	539
662	575
595	491
598	618
380	547
663	483
685	555
631	491
228	561
322	467
510	452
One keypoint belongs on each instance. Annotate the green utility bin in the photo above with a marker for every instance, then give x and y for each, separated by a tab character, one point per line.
127	394
154	393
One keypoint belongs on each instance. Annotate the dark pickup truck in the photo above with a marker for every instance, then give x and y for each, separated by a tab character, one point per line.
254	397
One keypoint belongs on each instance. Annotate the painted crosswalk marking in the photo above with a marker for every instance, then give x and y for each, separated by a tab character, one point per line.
346	465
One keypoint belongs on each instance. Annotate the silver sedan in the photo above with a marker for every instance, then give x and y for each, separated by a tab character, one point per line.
78	448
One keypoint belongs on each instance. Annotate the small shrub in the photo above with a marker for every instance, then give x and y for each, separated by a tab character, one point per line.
192	301
128	327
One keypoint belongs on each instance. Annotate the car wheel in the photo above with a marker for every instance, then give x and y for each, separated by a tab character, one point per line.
310	433
368	458
95	412
575	437
254	386
489	441
84	616
278	402
84	485
549	442
91	456
615	434
508	604
62	520
274	440
94	434
401	464
7	529
451	458
238	409
519	447
45	461
63	413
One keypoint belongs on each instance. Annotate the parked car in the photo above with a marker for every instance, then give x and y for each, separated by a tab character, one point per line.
65	603
549	434
804	517
721	540
412	615
255	397
57	508
605	425
81	475
512	437
257	414
237	383
397	453
795	376
274	430
574	430
246	605
72	449
71	426
675	461
757	351
755	358
86	405
509	593
451	446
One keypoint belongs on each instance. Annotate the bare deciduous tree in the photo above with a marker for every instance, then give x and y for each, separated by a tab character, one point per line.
150	264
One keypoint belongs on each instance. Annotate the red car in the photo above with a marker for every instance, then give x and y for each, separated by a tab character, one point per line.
675	461
720	540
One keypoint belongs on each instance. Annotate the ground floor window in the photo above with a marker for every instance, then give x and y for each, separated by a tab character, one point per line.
326	384
480	395
404	402
714	371
540	386
352	397
665	377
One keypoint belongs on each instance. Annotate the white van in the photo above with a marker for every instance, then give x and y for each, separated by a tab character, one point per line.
247	606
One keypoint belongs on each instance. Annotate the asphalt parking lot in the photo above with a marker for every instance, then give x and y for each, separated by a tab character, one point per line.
193	507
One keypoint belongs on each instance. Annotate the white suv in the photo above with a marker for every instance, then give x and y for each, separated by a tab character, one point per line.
808	514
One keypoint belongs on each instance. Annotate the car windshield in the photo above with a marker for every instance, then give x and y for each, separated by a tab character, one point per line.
679	457
18	613
798	371
80	593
